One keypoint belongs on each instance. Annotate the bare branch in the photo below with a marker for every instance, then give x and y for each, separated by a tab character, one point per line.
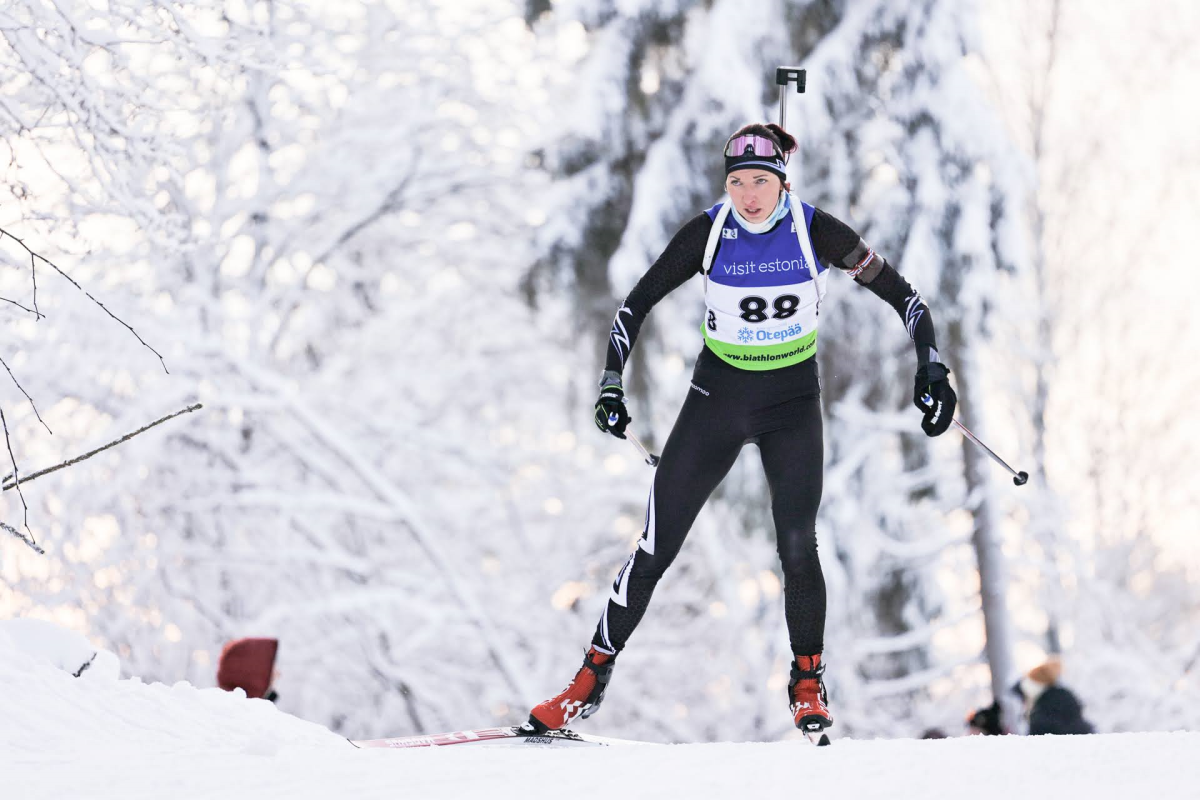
7	485
33	258
23	308
33	271
16	477
27	397
26	539
34	310
83	667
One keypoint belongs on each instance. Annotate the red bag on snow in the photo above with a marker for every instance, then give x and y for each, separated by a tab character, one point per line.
247	664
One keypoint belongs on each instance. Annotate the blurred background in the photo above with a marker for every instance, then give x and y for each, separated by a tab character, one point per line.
382	243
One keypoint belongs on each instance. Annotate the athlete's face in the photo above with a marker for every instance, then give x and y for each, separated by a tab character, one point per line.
754	192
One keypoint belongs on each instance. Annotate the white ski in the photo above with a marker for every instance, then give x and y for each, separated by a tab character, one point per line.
510	736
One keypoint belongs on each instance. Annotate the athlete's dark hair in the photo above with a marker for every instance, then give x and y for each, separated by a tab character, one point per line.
785	141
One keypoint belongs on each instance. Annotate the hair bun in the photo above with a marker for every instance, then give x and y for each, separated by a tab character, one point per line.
786	140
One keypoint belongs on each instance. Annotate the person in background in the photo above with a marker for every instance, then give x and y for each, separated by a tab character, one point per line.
985	721
249	664
1050	707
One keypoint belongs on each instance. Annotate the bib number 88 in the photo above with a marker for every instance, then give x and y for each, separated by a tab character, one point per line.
754	308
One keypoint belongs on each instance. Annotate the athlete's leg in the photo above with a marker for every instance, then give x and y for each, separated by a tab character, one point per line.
792	455
793	460
702	447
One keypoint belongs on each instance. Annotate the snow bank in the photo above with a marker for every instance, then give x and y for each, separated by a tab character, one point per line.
59	733
67	737
59	647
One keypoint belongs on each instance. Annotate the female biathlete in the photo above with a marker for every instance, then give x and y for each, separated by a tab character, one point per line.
764	259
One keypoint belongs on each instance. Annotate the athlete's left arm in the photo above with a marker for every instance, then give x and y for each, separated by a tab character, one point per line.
837	245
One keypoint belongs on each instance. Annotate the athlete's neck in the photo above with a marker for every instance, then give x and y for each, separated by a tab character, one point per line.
781	208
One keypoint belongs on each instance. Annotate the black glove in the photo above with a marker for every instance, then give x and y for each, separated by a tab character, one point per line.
935	399
611	414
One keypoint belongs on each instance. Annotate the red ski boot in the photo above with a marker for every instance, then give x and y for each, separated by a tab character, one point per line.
806	693
580	699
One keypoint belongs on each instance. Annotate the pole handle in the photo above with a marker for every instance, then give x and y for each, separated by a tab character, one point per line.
786	75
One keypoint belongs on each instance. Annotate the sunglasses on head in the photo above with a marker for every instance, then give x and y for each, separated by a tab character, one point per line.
749	143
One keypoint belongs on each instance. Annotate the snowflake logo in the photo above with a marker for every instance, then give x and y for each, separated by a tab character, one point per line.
745	335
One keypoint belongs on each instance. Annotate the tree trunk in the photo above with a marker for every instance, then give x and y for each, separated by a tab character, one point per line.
987	540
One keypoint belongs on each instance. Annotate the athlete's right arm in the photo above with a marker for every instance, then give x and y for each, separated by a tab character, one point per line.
679	261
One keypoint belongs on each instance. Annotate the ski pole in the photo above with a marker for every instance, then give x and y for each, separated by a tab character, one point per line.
783	77
651	459
1019	478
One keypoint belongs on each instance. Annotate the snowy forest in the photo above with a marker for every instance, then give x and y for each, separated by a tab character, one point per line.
380	244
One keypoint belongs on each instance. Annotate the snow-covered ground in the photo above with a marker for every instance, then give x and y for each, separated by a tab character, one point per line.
96	736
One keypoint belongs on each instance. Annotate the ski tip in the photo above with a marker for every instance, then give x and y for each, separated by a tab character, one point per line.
823	741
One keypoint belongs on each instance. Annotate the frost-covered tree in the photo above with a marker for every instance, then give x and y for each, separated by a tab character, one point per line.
942	190
1094	560
321	216
321	232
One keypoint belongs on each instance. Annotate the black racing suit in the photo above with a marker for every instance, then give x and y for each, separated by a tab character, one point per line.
726	407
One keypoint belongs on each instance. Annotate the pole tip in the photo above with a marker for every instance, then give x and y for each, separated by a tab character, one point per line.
1021	478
